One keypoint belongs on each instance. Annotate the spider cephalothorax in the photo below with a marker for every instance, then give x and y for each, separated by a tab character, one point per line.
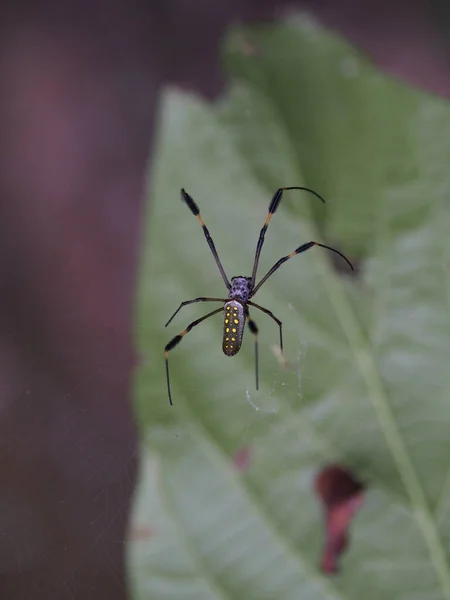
240	288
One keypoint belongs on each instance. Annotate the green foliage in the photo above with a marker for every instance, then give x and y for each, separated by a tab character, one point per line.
368	377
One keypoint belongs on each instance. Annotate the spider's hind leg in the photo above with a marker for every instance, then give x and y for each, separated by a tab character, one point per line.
177	339
254	330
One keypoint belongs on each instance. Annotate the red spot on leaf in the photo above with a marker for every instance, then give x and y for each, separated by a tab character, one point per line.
140	534
242	459
342	496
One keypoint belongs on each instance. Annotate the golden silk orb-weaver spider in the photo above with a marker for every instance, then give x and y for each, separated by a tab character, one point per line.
240	290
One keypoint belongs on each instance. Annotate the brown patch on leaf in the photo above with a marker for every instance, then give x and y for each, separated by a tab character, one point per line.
342	496
249	49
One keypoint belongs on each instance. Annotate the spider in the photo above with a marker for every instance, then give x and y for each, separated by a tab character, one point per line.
240	290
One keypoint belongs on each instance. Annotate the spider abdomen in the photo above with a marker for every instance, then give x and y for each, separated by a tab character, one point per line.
233	327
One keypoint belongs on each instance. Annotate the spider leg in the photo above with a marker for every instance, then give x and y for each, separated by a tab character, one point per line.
196	212
186	302
254	330
177	339
272	208
272	316
299	250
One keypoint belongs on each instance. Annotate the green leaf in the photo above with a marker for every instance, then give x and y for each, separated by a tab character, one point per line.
368	378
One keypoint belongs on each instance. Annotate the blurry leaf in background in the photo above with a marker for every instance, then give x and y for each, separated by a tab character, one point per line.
227	474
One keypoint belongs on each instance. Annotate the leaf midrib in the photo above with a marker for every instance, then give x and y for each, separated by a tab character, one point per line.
440	507
388	425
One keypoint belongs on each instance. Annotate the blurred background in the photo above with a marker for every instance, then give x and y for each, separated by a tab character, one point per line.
78	107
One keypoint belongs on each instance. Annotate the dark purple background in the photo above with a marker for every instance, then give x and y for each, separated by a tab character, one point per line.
79	86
